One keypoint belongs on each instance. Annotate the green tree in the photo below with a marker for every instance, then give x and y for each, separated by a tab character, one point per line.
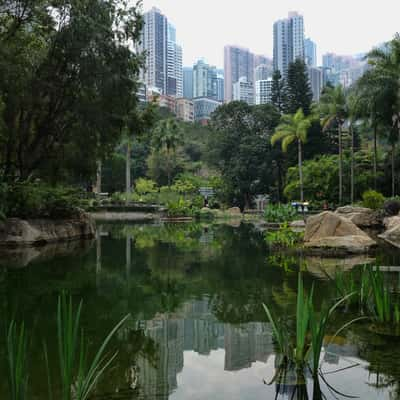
167	136
297	91
278	85
68	78
239	149
294	128
334	110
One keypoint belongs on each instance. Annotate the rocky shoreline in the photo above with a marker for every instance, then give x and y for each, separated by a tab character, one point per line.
16	232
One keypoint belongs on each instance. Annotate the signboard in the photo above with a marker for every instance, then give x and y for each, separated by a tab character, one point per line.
206	191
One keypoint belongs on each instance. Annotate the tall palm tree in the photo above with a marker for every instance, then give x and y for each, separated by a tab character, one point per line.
293	128
385	62
334	112
167	135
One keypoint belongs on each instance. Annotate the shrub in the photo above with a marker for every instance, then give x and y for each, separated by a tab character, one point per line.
145	186
38	200
180	208
373	199
392	207
284	237
279	213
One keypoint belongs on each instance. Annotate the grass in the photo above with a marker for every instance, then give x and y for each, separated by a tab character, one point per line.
79	372
304	350
17	360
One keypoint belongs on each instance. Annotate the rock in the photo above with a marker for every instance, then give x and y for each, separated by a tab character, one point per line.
298	224
361	216
330	231
16	232
234	211
392	233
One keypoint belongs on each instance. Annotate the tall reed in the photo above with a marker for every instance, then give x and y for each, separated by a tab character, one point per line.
78	374
17	360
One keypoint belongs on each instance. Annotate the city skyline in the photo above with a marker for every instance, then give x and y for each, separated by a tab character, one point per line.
211	24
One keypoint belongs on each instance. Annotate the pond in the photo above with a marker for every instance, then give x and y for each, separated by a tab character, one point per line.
197	329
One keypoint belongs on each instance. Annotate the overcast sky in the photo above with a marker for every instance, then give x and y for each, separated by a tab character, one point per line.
204	27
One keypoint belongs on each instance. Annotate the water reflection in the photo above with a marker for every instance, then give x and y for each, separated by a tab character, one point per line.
198	330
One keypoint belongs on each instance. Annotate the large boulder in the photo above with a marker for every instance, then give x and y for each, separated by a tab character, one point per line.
361	216
18	232
392	233
329	231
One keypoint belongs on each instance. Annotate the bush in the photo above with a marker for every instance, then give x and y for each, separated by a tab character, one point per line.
38	200
373	199
145	186
180	208
284	237
392	207
279	213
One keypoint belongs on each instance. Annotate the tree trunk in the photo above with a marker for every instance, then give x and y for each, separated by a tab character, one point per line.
393	169
98	176
128	182
340	163
300	170
375	156
169	167
352	165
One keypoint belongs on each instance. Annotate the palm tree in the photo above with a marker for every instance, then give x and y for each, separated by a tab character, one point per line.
385	62
334	110
293	128
167	136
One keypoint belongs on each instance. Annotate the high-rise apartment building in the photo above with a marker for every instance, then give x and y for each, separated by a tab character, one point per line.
288	41
310	51
262	72
188	82
163	66
185	110
243	90
204	80
238	63
263	91
316	82
220	87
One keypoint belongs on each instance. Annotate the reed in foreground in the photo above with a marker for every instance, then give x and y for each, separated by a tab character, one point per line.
17	360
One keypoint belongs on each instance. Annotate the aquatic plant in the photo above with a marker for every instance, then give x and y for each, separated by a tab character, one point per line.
311	326
78	375
17	357
277	213
284	237
384	304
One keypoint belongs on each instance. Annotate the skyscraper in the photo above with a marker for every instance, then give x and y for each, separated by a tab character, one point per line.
263	91
310	51
238	63
220	87
204	80
262	72
288	41
188	82
316	82
163	66
243	90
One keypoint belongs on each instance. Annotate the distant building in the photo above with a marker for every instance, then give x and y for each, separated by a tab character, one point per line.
142	92
262	72
163	65
263	91
238	62
204	80
162	100
220	87
203	108
185	110
243	90
288	41
316	82
188	82
310	51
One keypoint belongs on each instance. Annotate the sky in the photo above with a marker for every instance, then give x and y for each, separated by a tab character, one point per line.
345	27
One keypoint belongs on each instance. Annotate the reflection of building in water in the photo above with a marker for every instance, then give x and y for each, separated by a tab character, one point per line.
158	381
247	343
195	328
334	351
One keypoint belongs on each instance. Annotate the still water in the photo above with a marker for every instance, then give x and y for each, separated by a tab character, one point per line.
197	329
